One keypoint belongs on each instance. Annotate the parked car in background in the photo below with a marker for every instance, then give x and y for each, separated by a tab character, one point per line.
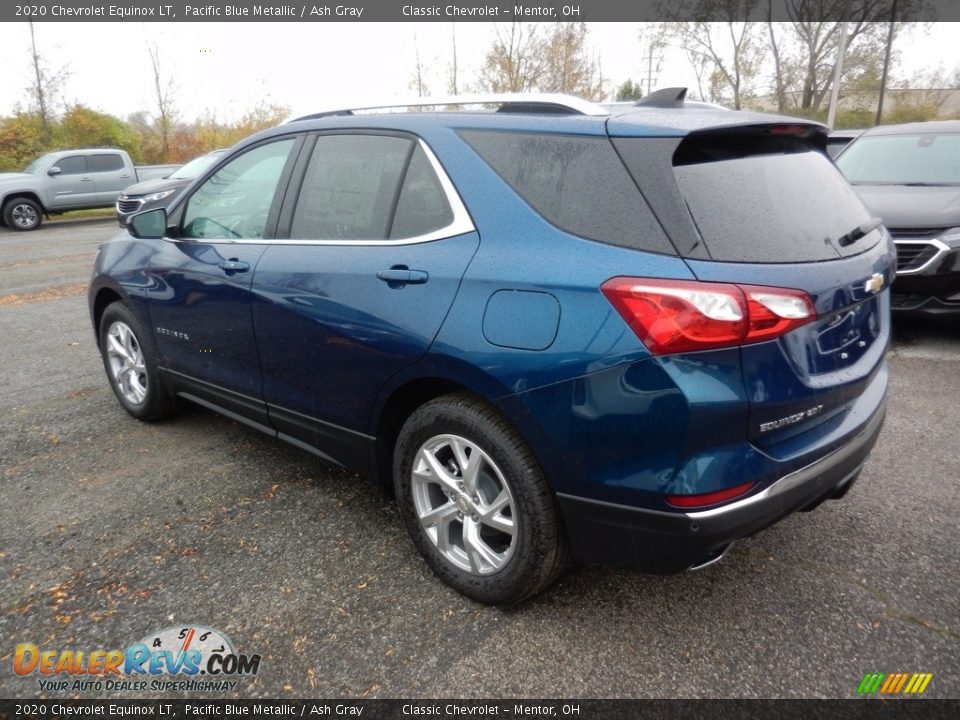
632	338
161	191
909	176
69	180
839	139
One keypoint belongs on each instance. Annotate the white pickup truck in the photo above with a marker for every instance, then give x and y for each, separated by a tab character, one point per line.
69	180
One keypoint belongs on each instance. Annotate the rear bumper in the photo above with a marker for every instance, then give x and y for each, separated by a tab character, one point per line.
667	542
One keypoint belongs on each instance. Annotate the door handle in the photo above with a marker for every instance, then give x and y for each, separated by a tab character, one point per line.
234	266
400	275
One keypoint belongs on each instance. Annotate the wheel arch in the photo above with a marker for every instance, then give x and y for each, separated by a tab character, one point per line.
26	194
436	376
100	297
393	412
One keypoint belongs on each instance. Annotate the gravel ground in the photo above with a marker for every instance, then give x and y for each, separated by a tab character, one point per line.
111	529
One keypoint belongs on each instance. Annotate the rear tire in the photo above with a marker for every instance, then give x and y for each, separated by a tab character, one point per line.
130	361
22	214
476	503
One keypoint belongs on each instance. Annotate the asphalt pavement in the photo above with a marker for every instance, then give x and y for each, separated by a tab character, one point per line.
112	529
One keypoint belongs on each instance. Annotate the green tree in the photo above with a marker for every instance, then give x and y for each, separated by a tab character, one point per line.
21	140
629	91
83	127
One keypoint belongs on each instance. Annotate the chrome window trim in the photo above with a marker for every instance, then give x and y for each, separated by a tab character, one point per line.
941	247
460	225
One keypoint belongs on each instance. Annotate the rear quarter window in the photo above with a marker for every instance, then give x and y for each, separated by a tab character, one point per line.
576	183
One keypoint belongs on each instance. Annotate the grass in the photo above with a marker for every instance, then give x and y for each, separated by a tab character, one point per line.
83	214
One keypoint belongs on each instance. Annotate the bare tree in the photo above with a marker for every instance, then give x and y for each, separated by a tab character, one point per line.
567	64
166	108
417	82
805	51
453	70
732	48
515	61
44	85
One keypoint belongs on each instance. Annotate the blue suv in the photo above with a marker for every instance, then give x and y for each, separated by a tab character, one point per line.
557	333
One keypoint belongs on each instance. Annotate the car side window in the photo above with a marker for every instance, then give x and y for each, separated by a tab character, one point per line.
108	162
235	202
423	206
350	187
73	165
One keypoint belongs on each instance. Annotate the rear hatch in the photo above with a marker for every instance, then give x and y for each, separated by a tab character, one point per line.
760	204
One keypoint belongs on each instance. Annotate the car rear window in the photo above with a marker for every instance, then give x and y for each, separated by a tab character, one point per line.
107	162
916	159
767	199
577	183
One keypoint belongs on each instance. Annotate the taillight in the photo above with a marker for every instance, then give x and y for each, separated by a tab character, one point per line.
672	316
710	498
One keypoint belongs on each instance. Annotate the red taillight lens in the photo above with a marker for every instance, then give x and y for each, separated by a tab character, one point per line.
710	498
672	316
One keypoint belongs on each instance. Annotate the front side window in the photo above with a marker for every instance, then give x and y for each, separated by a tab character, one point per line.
235	202
73	165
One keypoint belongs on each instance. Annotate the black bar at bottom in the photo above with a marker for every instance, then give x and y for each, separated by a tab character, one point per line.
873	708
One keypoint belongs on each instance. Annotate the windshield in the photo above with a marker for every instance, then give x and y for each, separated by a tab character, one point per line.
917	159
196	166
34	168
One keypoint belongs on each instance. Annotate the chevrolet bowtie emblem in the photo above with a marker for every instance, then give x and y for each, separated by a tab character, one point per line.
874	284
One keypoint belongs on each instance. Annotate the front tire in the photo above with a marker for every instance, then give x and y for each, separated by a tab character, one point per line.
22	214
475	502
130	361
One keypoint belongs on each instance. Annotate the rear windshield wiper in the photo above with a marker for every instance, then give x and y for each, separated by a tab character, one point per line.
858	232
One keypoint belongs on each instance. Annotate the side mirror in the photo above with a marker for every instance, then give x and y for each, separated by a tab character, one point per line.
54	171
150	225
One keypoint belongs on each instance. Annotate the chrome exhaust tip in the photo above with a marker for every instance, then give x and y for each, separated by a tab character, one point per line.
711	559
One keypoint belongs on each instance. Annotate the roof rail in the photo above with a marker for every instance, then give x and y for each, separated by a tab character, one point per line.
553	103
667	98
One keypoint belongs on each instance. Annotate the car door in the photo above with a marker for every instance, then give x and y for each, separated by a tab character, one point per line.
110	175
199	286
70	183
378	242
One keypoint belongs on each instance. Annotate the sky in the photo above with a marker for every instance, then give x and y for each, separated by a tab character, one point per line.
224	69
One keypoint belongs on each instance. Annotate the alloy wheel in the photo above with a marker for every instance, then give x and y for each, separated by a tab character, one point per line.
464	504
127	367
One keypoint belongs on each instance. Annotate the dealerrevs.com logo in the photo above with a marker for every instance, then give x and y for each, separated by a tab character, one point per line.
191	658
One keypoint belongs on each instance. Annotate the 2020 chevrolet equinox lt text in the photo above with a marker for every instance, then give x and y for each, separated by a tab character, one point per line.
557	333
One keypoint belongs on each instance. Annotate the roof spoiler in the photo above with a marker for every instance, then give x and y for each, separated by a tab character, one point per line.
665	98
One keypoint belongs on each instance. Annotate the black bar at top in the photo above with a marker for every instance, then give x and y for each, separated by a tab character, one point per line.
491	11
